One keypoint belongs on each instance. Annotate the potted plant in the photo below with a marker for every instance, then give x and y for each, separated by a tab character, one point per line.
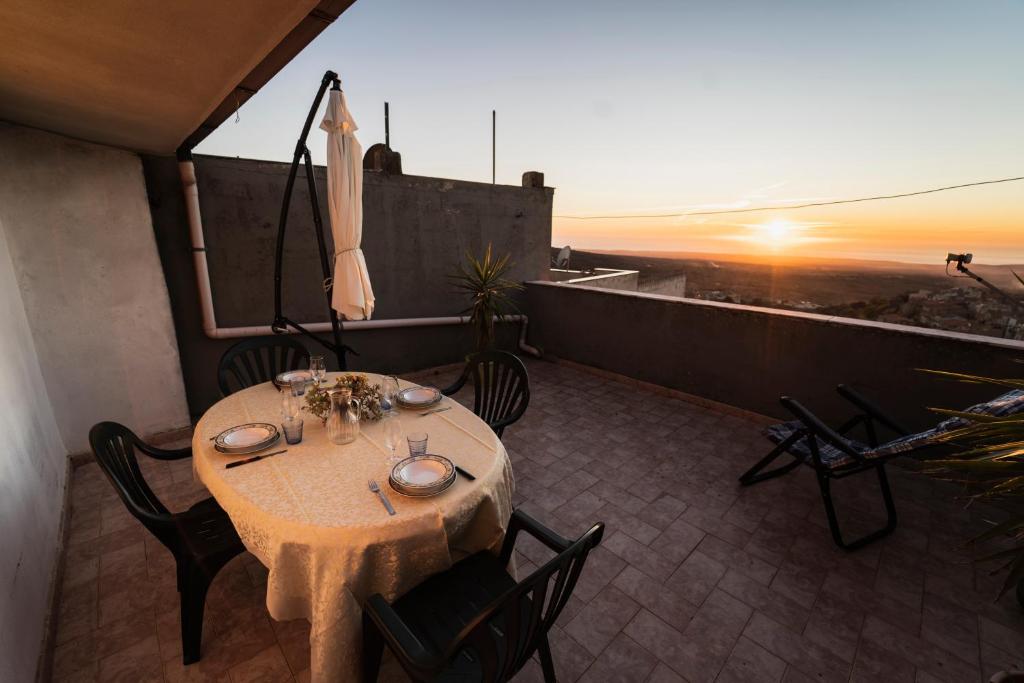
489	290
991	466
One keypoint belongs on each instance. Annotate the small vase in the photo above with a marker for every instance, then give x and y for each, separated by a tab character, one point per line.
343	421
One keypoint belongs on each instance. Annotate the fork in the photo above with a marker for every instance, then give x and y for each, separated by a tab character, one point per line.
380	494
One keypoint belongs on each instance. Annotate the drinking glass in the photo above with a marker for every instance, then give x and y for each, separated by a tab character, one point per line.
392	436
292	429
388	392
417	443
298	386
290	405
318	368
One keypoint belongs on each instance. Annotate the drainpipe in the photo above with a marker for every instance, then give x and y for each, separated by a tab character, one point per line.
195	224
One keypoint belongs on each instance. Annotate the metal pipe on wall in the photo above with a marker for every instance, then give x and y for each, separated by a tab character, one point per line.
190	189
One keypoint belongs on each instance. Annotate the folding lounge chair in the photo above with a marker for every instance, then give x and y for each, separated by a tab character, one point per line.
834	456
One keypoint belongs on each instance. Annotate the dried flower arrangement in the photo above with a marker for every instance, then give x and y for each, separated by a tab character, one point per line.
318	401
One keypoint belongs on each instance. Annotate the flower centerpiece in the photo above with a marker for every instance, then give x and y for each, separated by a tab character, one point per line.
318	400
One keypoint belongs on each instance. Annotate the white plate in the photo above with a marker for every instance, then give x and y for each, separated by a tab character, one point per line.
421	493
246	438
285	378
422	475
419	397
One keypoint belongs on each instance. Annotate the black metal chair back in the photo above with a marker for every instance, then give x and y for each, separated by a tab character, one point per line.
255	361
501	387
523	616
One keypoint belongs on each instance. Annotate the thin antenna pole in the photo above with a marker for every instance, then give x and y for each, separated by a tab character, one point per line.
387	127
494	143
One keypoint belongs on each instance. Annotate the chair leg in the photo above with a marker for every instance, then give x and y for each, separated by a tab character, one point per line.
373	650
824	482
754	474
547	665
193	604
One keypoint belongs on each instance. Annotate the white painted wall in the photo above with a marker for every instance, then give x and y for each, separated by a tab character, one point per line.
33	465
85	258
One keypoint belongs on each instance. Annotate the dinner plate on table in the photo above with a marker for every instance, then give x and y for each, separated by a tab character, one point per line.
419	397
246	438
284	380
422	475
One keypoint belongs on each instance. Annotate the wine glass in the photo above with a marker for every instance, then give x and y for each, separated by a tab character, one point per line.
318	368
393	434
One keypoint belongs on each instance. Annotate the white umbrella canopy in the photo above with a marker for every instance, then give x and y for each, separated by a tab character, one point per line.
353	295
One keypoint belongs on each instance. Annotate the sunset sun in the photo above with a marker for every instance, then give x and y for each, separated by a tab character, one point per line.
776	234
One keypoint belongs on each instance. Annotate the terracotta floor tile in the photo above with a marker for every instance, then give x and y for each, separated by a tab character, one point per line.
600	621
795	650
765	600
622	661
875	664
661	599
139	663
750	663
697	578
267	666
663	674
737	559
922	654
75	656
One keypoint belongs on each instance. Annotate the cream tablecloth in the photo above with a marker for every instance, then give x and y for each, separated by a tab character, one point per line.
328	542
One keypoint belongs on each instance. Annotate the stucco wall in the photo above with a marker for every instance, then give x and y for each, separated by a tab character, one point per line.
32	479
85	259
747	357
415	232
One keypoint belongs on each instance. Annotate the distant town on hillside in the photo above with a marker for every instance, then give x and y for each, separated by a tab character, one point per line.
921	295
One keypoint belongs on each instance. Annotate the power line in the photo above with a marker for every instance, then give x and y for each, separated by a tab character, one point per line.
799	206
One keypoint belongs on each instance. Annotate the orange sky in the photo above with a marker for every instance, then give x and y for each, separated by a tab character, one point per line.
985	221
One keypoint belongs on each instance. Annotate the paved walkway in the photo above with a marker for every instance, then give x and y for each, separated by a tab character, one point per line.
696	580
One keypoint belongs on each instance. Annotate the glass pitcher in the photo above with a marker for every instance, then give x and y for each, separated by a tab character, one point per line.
343	422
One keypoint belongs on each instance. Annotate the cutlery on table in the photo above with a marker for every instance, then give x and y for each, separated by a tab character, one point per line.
435	410
464	473
239	463
380	494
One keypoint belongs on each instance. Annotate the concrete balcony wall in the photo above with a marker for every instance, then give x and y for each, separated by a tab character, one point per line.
85	259
32	479
416	230
746	357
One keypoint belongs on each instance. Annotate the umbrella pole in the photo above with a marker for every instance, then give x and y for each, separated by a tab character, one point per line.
282	323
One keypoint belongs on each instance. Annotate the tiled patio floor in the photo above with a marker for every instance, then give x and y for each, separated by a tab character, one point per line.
697	579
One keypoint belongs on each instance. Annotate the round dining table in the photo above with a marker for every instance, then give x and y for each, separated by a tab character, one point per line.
328	542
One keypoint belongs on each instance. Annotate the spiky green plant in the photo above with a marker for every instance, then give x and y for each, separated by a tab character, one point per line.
991	466
485	282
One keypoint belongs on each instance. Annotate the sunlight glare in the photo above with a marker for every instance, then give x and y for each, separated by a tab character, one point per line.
777	234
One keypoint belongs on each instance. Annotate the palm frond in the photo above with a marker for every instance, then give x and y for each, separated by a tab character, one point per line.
484	279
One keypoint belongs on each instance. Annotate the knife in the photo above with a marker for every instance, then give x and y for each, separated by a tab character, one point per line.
239	463
436	410
464	473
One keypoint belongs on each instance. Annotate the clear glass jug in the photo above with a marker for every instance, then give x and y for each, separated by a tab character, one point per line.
343	422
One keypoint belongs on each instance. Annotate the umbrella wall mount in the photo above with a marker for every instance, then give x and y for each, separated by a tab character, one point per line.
281	322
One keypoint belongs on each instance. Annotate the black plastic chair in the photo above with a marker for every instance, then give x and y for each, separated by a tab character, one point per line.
255	361
501	385
473	622
202	539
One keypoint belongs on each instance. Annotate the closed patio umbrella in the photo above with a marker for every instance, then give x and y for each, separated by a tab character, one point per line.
353	294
